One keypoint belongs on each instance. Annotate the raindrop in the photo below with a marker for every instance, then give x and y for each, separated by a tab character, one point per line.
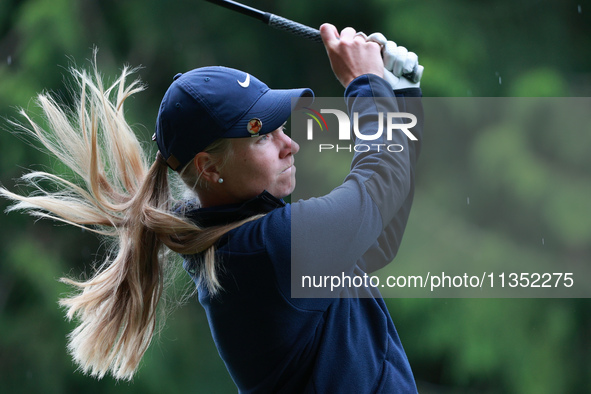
500	82
542	241
9	60
468	200
579	9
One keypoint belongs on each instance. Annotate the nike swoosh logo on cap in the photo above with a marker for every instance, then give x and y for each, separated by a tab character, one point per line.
246	81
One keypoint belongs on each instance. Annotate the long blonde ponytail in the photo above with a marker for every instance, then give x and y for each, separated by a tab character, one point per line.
115	193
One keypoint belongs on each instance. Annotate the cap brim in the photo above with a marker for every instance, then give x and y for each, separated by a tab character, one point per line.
273	109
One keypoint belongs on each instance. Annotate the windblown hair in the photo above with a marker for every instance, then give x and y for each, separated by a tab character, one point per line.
116	193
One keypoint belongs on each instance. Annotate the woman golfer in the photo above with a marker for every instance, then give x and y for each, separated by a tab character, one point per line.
221	130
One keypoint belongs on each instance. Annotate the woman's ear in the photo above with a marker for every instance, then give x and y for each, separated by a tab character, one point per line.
206	167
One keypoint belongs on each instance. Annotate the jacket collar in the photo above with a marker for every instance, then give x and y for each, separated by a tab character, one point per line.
225	214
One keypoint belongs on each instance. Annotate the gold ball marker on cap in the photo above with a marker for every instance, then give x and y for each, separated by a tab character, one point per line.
254	127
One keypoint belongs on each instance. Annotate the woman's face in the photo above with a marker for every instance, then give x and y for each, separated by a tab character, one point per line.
260	163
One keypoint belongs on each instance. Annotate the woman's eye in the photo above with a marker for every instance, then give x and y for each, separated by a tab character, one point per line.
264	137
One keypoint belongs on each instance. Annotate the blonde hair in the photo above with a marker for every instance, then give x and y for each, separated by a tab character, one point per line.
116	193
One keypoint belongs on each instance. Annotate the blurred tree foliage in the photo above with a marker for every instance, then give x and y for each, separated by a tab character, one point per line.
491	48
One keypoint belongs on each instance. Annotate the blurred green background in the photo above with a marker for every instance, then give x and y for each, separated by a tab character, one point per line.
488	48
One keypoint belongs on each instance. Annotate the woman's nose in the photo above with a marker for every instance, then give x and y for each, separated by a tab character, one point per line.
289	146
295	147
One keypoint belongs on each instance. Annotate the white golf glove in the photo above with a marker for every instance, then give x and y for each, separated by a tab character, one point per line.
399	63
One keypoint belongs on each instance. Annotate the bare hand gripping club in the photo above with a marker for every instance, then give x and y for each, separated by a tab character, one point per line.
287	25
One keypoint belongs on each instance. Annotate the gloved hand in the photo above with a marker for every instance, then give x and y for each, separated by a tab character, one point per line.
401	67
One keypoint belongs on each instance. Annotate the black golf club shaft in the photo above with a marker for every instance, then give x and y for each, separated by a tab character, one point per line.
282	23
272	20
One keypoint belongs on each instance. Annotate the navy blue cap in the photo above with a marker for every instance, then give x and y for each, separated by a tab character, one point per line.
210	103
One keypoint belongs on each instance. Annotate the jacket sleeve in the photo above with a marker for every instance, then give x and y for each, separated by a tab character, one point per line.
331	234
384	250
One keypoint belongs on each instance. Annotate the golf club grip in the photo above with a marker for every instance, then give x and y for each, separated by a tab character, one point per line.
295	28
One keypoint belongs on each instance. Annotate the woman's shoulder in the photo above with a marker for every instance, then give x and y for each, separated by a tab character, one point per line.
269	232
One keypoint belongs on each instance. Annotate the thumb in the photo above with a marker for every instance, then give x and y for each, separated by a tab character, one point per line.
329	34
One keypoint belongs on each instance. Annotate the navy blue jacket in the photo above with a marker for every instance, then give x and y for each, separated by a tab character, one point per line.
273	343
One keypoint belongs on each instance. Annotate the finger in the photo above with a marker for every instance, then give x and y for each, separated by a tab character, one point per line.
418	73
361	34
377	47
379	38
348	34
400	54
329	34
412	60
359	38
389	54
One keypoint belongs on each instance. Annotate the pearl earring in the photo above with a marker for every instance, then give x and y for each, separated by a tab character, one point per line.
221	180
